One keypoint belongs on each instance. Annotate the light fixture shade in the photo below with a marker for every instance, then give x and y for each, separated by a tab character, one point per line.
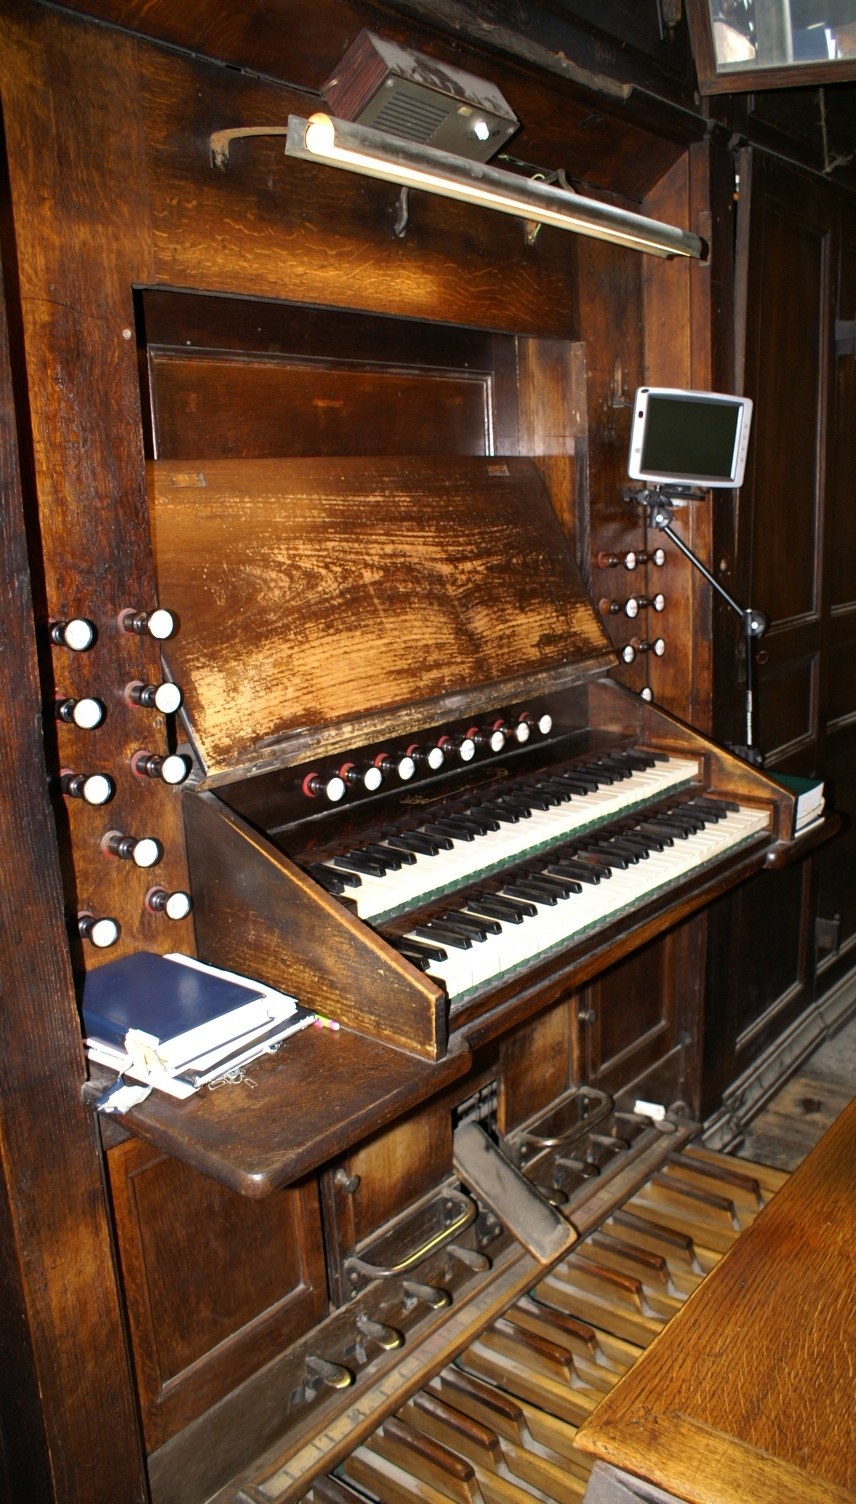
374	154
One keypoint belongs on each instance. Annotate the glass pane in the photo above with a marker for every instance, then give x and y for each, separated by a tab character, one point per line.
751	34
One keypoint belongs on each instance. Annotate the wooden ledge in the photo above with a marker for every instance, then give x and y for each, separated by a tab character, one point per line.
785	852
323	1091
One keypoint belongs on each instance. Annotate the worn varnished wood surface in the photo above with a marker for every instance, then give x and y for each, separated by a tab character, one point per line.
77	181
310	589
257	1280
260	915
325	1090
62	1401
767	1414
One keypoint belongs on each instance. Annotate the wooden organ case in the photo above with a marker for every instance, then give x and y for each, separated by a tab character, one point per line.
363	497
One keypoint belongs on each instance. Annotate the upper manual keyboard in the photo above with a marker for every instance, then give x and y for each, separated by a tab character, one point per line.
463	840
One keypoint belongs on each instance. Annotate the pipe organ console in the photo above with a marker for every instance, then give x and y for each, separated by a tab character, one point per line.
413	1250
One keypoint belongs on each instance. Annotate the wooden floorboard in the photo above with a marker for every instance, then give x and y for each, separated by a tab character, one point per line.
801	1111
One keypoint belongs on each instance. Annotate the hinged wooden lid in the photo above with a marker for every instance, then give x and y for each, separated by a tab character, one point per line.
374	592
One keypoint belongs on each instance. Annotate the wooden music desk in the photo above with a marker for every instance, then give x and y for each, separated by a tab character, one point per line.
749	1395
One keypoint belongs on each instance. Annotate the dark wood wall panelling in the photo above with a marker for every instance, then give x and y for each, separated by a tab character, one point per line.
64	1392
795	561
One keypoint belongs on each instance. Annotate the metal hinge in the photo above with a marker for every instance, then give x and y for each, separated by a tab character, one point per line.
845	336
827	934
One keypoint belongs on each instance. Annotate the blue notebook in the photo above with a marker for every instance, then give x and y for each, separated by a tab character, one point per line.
178	1006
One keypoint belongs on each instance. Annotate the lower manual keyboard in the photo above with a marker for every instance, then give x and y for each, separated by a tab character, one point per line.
488	935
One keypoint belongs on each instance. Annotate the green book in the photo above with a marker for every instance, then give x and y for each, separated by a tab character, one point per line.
809	797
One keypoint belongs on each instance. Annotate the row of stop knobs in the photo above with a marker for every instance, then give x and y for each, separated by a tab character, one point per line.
79	634
447	750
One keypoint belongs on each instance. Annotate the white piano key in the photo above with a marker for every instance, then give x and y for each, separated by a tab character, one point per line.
559	925
381	898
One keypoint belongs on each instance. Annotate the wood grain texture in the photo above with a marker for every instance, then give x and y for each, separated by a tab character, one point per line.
215	1293
259	915
309	590
324	1091
77	180
62	1401
275	227
225	407
775	1323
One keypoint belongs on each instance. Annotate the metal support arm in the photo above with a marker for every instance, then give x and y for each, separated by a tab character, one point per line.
661	517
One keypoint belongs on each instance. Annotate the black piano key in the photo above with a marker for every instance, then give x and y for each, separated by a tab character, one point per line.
434	930
525	803
687	823
504	812
448	827
648	828
636	843
523	889
542	791
588	779
652	841
333	882
575	788
616	765
408	947
621	848
563	881
657	756
498	908
610	858
392	859
469	822
486	820
470	922
598	771
442	837
559	790
639	760
709	808
412	842
515	803
520	906
577	870
662	822
350	879
719	804
599	858
464	925
354	861
416	840
420	962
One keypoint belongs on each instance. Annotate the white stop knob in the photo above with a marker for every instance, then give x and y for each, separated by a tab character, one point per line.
406	768
177	905
103	932
161	624
335	789
174	769
521	731
497	741
98	788
87	714
545	725
372	779
147	852
467	749
436	758
167	698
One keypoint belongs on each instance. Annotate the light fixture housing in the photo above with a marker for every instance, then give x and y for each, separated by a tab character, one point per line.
372	153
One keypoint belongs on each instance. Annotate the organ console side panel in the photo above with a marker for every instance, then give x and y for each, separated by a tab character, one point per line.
258	914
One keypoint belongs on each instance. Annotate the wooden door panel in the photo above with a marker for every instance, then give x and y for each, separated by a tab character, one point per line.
634	1016
836	863
785	383
842	513
399	1165
216	1284
787	692
536	1065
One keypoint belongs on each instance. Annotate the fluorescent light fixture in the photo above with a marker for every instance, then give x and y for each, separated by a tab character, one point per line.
374	154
